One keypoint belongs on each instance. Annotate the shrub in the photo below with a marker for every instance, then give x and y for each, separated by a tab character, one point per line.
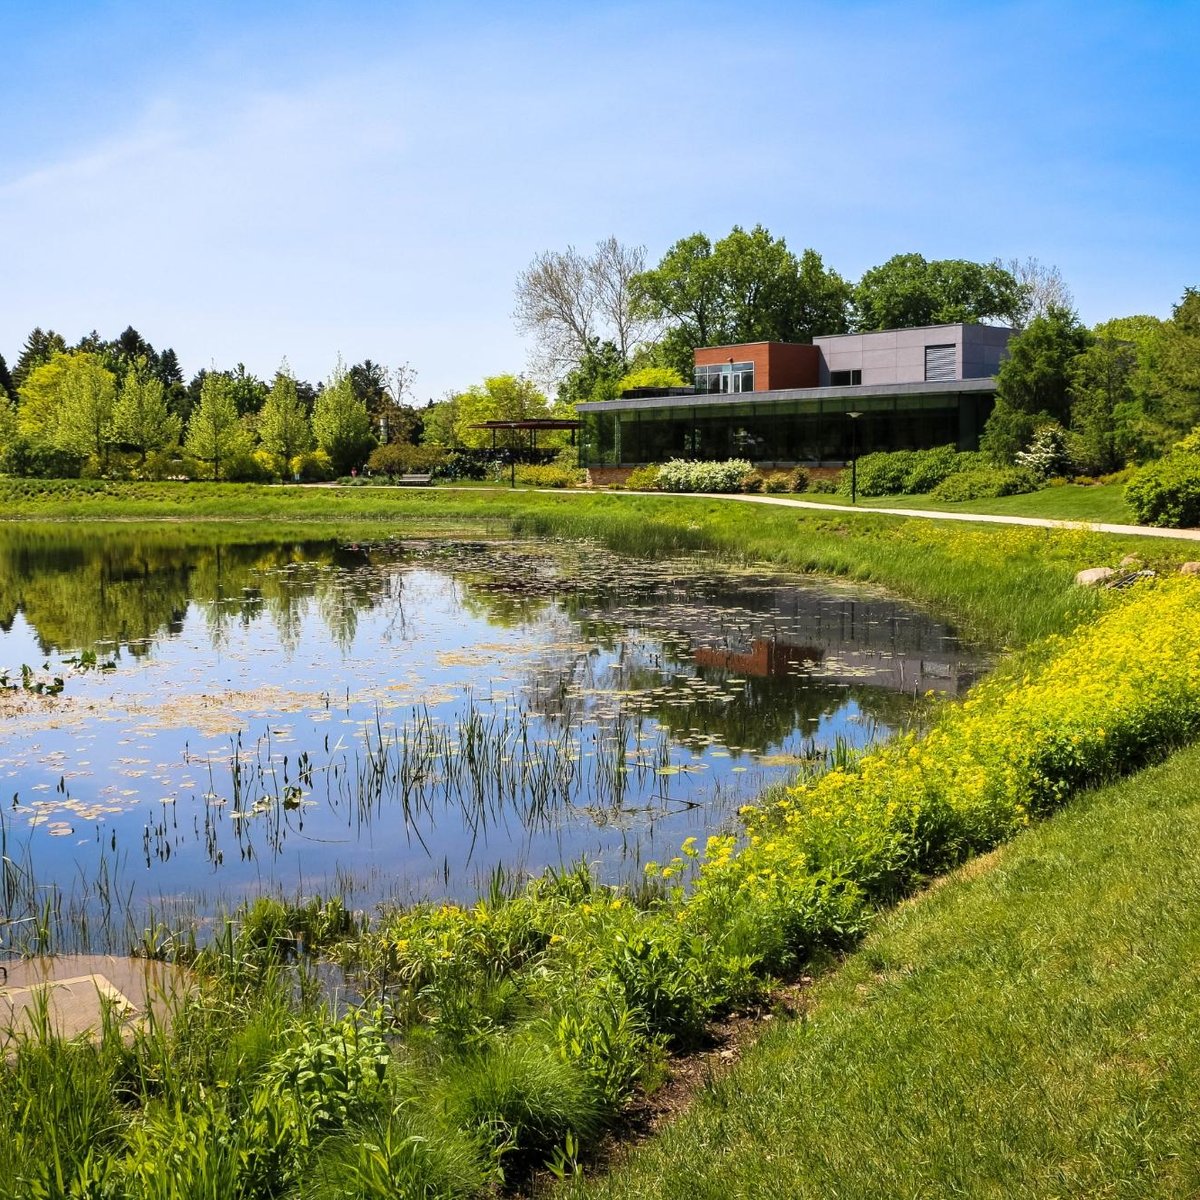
1047	453
985	483
642	479
825	485
753	481
313	466
798	480
1167	492
405	458
550	475
681	475
776	481
881	474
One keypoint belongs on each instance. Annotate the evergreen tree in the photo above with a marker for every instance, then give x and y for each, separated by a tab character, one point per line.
7	386
40	347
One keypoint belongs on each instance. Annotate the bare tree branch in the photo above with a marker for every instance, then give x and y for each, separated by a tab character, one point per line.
1041	286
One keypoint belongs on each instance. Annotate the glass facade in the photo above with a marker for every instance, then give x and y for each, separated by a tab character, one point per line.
725	378
784	432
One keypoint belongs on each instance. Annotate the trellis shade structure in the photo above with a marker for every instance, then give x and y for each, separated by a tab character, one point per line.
533	425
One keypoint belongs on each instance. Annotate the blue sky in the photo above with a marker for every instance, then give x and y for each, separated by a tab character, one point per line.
250	181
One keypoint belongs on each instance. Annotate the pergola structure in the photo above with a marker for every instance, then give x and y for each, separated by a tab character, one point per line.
532	424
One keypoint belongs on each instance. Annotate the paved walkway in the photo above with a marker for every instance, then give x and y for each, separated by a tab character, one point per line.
1187	535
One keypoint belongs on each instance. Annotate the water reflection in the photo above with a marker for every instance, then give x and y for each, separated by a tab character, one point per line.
396	718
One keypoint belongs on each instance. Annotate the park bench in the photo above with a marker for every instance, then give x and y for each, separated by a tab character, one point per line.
415	480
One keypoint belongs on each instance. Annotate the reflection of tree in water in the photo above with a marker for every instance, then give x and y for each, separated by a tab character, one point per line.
88	589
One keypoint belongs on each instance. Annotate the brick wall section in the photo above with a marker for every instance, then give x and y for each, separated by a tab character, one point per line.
776	364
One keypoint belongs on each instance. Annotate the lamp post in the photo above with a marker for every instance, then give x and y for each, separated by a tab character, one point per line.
854	455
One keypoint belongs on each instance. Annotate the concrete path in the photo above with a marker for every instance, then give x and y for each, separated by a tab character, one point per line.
1188	535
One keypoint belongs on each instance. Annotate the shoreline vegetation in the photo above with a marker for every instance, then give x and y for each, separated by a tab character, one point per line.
502	1038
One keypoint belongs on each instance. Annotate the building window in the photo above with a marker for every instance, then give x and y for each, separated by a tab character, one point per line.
940	363
845	378
725	377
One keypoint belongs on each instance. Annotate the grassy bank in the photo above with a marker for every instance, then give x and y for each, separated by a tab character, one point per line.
1023	1030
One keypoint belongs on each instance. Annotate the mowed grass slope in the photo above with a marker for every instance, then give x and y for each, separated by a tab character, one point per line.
1024	1030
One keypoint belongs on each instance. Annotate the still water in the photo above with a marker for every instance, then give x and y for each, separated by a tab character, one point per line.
396	719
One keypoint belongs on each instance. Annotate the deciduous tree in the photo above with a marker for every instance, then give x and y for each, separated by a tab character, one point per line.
283	424
341	423
141	418
40	347
214	433
568	301
500	398
908	290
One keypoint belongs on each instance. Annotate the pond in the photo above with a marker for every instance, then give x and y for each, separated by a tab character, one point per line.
190	718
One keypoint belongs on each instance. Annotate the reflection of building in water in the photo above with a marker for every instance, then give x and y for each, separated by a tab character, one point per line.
837	639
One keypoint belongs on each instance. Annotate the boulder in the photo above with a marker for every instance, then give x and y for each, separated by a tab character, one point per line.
1190	568
1094	576
1131	560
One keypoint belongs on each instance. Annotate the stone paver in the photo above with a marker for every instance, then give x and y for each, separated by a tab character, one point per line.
74	990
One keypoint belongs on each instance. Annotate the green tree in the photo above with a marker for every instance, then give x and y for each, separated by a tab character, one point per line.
596	376
341	423
40	347
1177	373
438	419
746	287
501	398
87	397
650	377
8	389
1034	382
142	419
283	424
214	433
1102	399
908	290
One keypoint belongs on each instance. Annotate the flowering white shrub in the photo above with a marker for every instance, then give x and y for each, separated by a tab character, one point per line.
681	475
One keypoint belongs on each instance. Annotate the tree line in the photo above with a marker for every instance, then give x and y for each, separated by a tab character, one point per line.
1121	392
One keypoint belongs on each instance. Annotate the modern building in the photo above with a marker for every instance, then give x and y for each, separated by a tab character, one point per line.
782	404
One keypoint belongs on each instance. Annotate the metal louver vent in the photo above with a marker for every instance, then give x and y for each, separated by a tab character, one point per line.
939	363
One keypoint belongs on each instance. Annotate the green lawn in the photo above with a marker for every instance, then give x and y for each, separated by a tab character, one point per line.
1071	502
1024	1030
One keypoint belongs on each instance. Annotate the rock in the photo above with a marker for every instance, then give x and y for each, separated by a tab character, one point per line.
1190	568
1094	576
1130	560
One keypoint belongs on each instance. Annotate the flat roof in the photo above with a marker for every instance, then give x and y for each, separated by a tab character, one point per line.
949	387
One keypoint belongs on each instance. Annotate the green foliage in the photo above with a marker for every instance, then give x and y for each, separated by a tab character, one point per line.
313	466
984	483
899	472
650	377
684	475
746	287
214	434
141	418
1167	492
522	1097
341	424
550	475
1104	406
283	425
1034	382
500	398
642	479
908	290
403	458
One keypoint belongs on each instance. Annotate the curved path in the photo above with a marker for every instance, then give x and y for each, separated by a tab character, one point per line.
1189	535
